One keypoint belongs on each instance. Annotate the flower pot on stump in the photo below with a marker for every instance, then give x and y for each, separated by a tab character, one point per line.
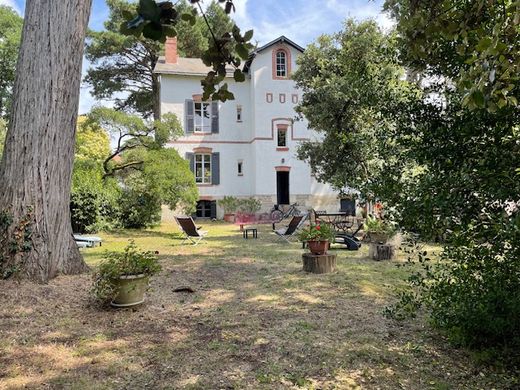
318	247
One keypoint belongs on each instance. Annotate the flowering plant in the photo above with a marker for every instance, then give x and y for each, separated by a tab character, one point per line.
317	232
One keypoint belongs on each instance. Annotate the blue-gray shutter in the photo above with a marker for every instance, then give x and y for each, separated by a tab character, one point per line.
215	168
189	119
214	117
191	158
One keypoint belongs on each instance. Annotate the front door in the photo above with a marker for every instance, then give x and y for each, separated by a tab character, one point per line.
282	187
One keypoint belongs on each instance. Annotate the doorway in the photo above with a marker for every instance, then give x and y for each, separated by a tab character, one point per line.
282	187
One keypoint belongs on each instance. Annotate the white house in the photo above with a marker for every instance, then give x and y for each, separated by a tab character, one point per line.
245	147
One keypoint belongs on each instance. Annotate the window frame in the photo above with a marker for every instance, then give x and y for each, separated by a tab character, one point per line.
281	64
201	128
280	131
239	113
240	168
203	179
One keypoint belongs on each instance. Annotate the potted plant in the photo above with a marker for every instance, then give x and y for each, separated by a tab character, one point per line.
230	205
317	237
122	277
378	230
247	208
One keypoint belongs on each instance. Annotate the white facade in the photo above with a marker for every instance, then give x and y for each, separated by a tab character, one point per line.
266	102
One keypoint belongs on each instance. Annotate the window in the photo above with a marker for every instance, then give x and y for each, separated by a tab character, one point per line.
202	117
281	64
239	113
203	168
239	168
282	138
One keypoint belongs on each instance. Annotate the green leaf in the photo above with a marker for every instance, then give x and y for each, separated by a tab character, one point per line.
153	31
478	98
149	10
239	76
248	35
242	51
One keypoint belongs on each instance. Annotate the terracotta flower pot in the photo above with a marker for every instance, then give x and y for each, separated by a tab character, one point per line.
229	218
318	247
130	290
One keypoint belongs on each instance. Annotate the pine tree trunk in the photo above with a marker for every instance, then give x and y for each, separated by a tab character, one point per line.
36	168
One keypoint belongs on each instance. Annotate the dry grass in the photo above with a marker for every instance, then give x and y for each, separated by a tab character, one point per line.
256	321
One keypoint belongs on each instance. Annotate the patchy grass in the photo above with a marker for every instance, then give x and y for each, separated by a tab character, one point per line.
256	321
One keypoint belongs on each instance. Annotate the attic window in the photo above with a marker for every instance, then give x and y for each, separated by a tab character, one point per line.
281	64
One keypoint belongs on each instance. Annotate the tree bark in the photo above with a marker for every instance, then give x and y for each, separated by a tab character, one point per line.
36	167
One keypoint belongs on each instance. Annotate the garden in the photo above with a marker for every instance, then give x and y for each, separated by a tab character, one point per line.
244	315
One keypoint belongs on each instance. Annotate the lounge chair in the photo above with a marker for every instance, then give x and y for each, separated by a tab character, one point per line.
288	231
91	241
191	232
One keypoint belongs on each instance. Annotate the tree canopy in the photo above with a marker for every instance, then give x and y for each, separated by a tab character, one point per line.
10	35
122	65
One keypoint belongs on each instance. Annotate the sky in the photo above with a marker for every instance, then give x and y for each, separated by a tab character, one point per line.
302	21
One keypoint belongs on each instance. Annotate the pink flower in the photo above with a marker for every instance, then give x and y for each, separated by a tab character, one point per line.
318	227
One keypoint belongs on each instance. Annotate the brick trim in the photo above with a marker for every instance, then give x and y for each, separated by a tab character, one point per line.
202	150
284	149
282	168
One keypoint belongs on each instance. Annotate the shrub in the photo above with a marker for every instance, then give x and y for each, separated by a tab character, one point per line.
131	261
474	291
249	205
229	204
139	208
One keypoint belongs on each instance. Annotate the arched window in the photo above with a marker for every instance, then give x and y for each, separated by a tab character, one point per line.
281	64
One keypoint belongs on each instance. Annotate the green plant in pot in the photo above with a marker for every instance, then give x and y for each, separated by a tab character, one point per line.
317	236
378	230
122	277
230	205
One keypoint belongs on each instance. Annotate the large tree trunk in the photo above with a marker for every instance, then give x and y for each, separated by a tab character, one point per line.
36	168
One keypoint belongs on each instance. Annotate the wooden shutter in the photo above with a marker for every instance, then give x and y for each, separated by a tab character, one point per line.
215	168
191	158
214	117
189	118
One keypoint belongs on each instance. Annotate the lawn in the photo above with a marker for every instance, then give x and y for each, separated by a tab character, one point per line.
255	321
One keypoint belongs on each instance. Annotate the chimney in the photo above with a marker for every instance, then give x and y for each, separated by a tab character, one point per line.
170	50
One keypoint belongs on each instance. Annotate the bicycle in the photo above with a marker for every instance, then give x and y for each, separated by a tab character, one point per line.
278	215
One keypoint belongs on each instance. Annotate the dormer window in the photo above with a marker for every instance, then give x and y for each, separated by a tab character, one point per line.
281	64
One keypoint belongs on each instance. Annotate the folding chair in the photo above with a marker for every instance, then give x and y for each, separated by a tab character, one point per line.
191	232
288	231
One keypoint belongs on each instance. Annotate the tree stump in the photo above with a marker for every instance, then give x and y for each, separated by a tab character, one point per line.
381	251
319	264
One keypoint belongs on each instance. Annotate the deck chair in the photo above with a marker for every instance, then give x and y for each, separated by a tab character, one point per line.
191	232
288	231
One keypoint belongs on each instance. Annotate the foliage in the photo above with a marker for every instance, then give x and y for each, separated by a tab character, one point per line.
317	232
379	226
132	132
249	205
94	200
10	35
229	204
156	21
139	206
474	43
131	261
445	166
121	66
352	87
16	237
169	175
